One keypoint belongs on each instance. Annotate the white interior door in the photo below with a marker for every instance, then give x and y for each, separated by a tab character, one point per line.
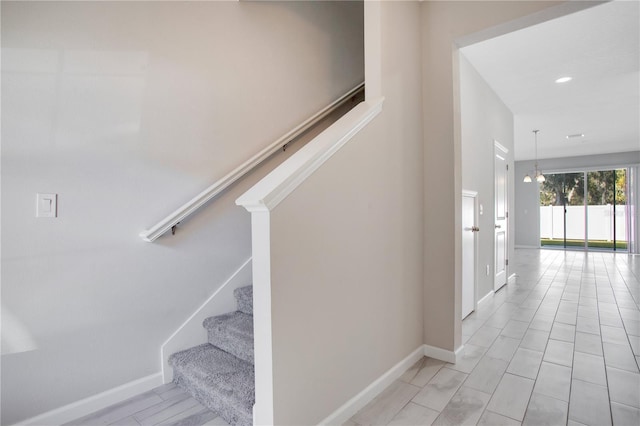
501	216
469	230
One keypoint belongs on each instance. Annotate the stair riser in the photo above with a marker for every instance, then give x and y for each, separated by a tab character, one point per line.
238	346
220	407
245	306
233	333
244	299
218	380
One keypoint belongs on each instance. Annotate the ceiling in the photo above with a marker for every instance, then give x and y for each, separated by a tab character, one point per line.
600	49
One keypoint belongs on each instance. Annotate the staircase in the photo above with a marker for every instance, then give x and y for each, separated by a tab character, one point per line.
219	374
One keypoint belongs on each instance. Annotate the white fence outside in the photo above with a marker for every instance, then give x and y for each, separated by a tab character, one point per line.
600	222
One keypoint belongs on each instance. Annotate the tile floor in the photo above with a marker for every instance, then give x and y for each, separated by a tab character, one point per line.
166	405
559	346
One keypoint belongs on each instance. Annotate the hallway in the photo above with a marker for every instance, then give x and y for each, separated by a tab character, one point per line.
560	345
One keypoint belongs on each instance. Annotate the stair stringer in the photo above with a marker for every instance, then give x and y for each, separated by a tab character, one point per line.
191	333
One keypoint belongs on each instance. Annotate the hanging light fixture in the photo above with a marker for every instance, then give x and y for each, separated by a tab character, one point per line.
539	176
537	173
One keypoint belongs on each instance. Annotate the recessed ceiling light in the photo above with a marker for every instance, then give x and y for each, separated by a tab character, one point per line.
575	135
563	79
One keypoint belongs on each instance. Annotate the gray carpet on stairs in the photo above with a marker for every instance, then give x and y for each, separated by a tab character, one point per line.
219	374
220	381
244	296
233	333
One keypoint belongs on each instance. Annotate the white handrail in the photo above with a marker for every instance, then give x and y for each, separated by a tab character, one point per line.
281	181
202	198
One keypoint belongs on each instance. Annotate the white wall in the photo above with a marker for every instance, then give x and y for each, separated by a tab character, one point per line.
127	110
446	25
484	118
527	196
527	212
343	283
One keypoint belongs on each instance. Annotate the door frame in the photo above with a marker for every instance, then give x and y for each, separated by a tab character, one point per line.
474	195
498	149
633	196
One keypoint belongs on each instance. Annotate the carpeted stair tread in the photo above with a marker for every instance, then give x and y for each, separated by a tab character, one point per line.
233	333
218	380
244	297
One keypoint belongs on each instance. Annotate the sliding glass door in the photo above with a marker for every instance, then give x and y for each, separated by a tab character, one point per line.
562	211
607	209
593	216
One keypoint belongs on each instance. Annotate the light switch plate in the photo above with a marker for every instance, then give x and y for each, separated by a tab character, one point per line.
46	205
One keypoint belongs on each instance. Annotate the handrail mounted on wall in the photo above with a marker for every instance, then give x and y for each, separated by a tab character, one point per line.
172	220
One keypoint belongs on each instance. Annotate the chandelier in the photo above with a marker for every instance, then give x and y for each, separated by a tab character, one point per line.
539	177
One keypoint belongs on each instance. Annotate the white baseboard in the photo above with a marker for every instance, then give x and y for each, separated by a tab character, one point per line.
94	403
486	297
191	332
355	404
442	354
351	407
512	278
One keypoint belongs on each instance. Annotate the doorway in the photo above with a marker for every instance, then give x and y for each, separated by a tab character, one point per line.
469	244
501	226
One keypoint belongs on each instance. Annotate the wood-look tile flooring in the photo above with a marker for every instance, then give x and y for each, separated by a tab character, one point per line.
559	346
164	405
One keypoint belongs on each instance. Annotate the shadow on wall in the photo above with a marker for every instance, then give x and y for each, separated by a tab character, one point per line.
346	14
16	337
127	110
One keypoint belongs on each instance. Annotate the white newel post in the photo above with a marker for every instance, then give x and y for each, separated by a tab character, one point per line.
261	247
